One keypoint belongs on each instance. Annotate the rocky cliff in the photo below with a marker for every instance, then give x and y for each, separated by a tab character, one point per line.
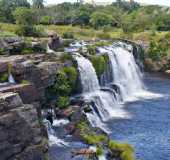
22	135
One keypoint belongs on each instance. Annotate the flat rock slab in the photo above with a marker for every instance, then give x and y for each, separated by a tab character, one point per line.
27	92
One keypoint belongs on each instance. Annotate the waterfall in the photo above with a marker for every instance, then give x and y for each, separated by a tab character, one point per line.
89	80
125	72
49	50
105	103
11	78
53	139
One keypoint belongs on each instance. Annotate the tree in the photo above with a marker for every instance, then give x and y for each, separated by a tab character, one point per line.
83	14
24	16
38	4
100	19
8	6
26	20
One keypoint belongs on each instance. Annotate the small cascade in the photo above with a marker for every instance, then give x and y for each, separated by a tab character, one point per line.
53	139
49	50
105	102
11	79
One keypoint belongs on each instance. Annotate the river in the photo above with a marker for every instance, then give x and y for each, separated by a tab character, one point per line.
148	128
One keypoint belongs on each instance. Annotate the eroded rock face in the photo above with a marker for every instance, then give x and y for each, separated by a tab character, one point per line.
11	45
20	132
27	92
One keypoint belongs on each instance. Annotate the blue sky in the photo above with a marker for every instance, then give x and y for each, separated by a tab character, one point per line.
161	2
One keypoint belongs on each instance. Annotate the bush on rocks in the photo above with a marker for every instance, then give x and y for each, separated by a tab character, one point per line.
99	63
4	78
68	35
124	151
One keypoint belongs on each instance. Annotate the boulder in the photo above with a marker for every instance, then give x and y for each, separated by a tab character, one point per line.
27	92
54	41
20	131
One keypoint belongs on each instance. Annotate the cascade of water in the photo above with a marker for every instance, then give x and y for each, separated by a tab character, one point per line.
53	139
49	50
88	75
106	105
11	78
125	72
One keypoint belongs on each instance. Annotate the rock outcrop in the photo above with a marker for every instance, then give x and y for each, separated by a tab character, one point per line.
21	135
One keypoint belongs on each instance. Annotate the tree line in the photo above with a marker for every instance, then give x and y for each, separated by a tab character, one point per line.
128	16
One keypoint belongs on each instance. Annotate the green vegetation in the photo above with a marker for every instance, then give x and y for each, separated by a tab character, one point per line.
100	63
120	19
63	102
88	135
25	81
45	20
99	151
68	35
156	51
4	78
64	86
117	150
100	19
126	152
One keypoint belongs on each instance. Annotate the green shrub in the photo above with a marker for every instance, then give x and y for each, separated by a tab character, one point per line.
126	152
72	75
104	36
27	51
107	28
62	86
99	63
99	151
4	78
127	155
103	43
68	35
27	30
88	135
25	81
65	57
63	102
157	50
94	139
91	49
24	16
45	20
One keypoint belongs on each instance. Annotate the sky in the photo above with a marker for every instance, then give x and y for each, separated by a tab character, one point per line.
160	2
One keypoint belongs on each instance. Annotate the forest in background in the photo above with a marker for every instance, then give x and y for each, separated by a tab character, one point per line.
121	19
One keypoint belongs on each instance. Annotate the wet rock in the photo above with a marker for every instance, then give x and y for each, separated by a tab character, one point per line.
167	72
67	113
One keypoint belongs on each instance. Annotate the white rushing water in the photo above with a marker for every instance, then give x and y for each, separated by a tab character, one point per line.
53	139
126	73
106	106
88	75
49	50
11	78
